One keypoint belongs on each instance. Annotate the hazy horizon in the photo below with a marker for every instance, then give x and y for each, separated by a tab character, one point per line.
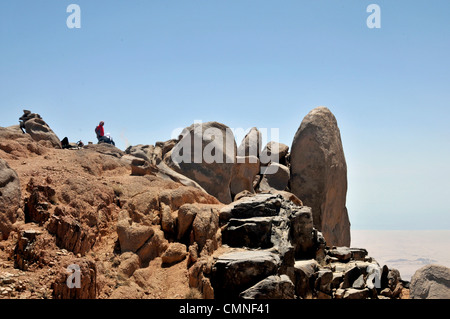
405	250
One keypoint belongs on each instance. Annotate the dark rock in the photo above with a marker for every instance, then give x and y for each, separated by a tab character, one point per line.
273	287
249	232
235	272
359	283
350	276
25	253
343	254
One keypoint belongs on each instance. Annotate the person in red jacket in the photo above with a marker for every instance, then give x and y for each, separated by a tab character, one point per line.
99	130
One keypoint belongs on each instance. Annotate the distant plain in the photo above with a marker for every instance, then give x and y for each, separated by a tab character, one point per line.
405	250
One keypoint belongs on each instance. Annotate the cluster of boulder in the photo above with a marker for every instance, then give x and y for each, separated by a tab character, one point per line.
314	170
275	252
249	221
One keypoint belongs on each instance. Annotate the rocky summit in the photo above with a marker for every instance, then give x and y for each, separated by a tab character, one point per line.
259	222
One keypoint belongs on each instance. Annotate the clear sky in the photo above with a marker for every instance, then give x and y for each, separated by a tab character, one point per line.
147	67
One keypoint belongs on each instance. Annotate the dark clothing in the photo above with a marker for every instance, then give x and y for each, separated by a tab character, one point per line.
105	139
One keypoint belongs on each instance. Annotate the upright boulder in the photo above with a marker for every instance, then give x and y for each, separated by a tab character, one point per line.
319	174
251	144
10	197
206	153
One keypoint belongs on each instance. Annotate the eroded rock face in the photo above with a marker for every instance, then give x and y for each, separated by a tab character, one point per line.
71	234
10	197
206	153
431	282
319	174
76	279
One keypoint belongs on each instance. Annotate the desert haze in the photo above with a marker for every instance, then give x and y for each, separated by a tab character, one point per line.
405	250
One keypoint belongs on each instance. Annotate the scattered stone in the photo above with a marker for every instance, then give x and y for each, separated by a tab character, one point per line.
175	253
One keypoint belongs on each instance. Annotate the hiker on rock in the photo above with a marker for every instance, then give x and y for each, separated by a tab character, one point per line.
99	130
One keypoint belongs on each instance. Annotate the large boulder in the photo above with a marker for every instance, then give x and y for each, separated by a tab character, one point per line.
319	174
431	282
206	153
10	197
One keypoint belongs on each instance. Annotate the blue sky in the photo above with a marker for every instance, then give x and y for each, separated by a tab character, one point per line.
147	67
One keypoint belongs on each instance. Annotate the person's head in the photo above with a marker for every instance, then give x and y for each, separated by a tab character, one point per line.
102	123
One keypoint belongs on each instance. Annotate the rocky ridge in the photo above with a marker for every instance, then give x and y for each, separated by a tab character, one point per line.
138	225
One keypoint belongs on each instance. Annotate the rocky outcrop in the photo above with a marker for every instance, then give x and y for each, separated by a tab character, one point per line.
274	248
319	174
10	199
38	129
431	282
156	232
273	232
206	154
